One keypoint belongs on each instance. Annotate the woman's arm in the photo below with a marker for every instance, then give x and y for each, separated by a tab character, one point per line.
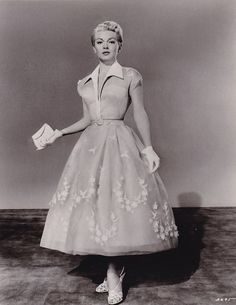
76	127
140	115
80	125
142	122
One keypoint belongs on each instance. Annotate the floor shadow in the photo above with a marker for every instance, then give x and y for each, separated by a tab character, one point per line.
167	267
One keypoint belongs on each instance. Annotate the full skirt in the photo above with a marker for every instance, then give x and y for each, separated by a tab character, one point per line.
107	202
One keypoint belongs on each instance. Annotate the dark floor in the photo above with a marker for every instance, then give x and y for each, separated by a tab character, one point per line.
200	272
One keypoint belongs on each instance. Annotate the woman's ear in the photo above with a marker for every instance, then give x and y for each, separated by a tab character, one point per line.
94	50
120	47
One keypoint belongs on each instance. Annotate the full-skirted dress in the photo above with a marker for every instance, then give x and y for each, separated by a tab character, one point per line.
107	202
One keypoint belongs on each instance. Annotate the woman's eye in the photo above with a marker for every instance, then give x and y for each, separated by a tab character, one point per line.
99	42
112	41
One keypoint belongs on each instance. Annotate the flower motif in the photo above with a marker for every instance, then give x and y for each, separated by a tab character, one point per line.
113	137
65	224
161	223
155	206
102	236
62	195
87	194
93	150
113	217
92	179
127	203
125	155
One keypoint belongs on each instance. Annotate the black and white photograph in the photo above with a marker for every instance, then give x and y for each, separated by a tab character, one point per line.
117	155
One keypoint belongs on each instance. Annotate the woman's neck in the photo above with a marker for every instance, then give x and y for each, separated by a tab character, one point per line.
105	66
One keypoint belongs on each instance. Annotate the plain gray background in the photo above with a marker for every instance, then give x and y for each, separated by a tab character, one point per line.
186	52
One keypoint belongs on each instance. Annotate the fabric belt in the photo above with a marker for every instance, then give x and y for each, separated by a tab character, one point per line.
101	121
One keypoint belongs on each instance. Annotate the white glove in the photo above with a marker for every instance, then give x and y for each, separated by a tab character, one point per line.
153	161
57	134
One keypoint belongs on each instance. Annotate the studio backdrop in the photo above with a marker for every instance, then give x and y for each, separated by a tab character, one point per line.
186	53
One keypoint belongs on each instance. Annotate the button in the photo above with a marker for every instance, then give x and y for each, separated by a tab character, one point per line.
100	121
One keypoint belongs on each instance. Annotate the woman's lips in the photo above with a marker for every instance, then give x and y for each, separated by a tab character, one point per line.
105	52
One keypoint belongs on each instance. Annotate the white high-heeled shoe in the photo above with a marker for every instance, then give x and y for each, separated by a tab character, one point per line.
115	295
103	287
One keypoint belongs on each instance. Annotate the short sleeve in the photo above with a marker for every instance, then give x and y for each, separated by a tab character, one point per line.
136	80
79	87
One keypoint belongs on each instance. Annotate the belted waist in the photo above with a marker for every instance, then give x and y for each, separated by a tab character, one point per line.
102	121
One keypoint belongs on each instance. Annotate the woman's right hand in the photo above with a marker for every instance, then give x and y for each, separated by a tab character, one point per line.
57	134
153	161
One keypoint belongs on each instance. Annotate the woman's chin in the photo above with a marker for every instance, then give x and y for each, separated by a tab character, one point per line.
107	58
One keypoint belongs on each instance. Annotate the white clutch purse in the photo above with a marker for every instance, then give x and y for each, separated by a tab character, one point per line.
41	135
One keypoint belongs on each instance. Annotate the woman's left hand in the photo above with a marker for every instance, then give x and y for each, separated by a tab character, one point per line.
152	158
57	134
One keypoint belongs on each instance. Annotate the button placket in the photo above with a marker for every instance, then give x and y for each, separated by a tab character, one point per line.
98	96
99	115
97	99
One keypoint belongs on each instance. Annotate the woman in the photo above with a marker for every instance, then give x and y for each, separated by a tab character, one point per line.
110	199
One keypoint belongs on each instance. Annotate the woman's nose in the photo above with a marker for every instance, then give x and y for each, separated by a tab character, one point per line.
105	45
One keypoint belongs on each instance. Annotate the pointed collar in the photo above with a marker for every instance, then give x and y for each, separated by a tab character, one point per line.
115	70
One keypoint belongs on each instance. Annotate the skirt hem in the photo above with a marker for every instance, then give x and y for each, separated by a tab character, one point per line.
103	253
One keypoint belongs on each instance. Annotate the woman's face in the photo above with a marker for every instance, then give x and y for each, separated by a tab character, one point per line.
106	46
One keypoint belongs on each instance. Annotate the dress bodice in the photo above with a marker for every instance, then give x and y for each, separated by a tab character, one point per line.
113	99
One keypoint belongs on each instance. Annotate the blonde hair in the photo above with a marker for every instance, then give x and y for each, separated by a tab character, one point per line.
109	26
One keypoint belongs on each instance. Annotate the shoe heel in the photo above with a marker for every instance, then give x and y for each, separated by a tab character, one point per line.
102	287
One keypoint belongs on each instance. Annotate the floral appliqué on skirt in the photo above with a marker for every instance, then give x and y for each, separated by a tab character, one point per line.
106	202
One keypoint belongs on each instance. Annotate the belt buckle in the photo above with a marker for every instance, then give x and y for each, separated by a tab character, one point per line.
100	121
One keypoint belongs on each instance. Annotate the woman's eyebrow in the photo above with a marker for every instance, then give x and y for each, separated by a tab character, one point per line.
103	39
